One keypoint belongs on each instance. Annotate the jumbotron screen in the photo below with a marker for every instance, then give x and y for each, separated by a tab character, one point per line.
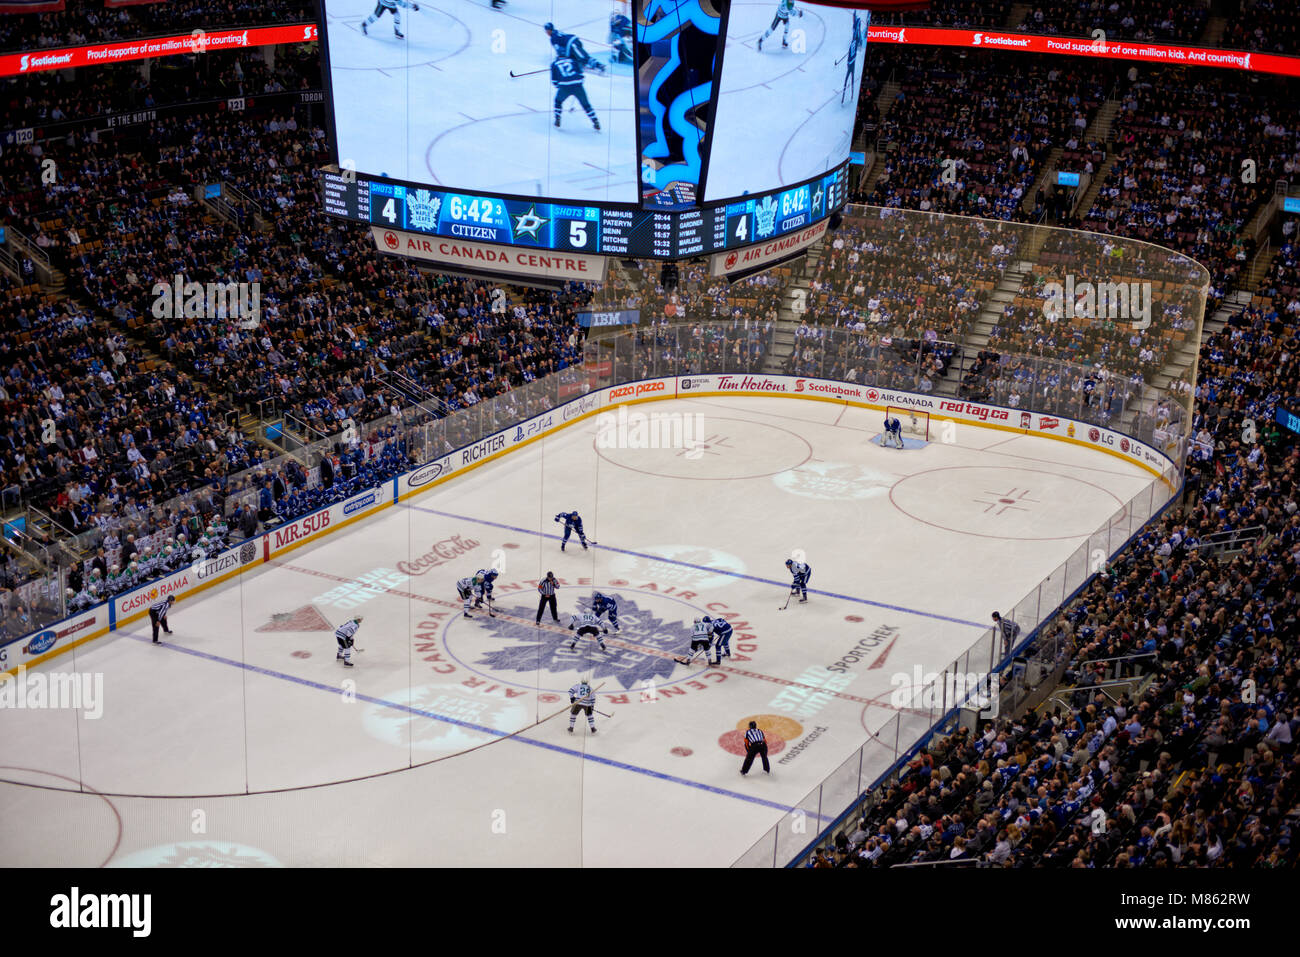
787	96
457	93
591	125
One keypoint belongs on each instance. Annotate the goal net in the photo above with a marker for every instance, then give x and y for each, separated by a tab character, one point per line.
916	422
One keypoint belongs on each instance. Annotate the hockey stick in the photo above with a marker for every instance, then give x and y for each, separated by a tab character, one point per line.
787	601
686	661
601	713
515	76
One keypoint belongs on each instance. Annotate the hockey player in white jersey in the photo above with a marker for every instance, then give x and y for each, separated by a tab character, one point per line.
470	588
587	625
394	7
344	634
701	640
784	11
582	698
801	572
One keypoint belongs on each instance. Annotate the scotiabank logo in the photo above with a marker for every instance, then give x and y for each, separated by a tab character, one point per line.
301	528
641	388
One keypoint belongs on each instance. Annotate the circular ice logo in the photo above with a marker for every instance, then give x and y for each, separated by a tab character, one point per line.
445	718
698	566
834	481
197	854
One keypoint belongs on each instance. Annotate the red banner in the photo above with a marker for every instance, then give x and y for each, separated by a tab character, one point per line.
31	6
1138	50
120	51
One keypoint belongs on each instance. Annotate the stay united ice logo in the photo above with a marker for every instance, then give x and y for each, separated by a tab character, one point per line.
527	649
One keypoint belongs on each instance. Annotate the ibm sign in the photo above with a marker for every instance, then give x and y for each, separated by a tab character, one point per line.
621	317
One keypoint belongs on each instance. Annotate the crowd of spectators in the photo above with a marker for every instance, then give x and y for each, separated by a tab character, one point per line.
80	23
1159	23
1270	26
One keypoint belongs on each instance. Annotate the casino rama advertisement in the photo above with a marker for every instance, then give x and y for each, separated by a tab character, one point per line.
134	605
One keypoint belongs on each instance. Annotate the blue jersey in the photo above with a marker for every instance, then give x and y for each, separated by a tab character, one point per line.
721	629
570	519
568	45
894	426
603	603
566	71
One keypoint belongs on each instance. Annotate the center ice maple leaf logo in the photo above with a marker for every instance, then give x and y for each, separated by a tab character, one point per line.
530	648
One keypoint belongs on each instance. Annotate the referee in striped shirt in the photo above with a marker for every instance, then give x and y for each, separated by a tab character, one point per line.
546	588
755	746
158	616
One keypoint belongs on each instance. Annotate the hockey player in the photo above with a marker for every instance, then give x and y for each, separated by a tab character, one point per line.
701	640
485	577
582	698
567	76
784	10
606	605
572	520
470	587
801	572
893	435
389	6
859	36
344	635
721	639
587	625
620	37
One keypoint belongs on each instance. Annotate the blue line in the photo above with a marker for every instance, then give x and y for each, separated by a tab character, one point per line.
514	736
706	568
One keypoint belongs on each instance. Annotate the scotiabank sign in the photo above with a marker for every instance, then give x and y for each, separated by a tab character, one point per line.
200	41
1137	50
462	254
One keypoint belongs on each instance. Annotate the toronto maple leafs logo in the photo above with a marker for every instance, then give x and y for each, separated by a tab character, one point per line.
422	210
765	216
527	650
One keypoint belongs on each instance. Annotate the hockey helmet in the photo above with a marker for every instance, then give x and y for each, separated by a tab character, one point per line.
548	27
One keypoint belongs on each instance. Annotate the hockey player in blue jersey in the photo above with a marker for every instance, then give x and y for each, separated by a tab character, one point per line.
486	576
567	73
606	605
572	523
784	10
721	639
389	6
801	572
855	44
620	37
893	432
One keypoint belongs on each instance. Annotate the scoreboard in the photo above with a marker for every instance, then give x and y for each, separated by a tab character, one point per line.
603	230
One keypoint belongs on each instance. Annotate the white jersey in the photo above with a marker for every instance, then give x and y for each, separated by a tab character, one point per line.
703	631
346	630
586	621
799	569
582	694
785	8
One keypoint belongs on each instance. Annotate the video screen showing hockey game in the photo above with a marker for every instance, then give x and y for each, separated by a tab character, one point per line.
525	97
787	95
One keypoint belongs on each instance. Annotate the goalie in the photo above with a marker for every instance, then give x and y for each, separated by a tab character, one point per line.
893	434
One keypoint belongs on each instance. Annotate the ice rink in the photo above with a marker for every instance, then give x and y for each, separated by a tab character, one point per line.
440	106
241	740
787	100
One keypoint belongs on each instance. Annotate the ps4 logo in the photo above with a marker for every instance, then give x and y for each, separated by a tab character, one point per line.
765	216
422	211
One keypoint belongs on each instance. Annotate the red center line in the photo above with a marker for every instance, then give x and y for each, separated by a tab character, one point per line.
616	642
